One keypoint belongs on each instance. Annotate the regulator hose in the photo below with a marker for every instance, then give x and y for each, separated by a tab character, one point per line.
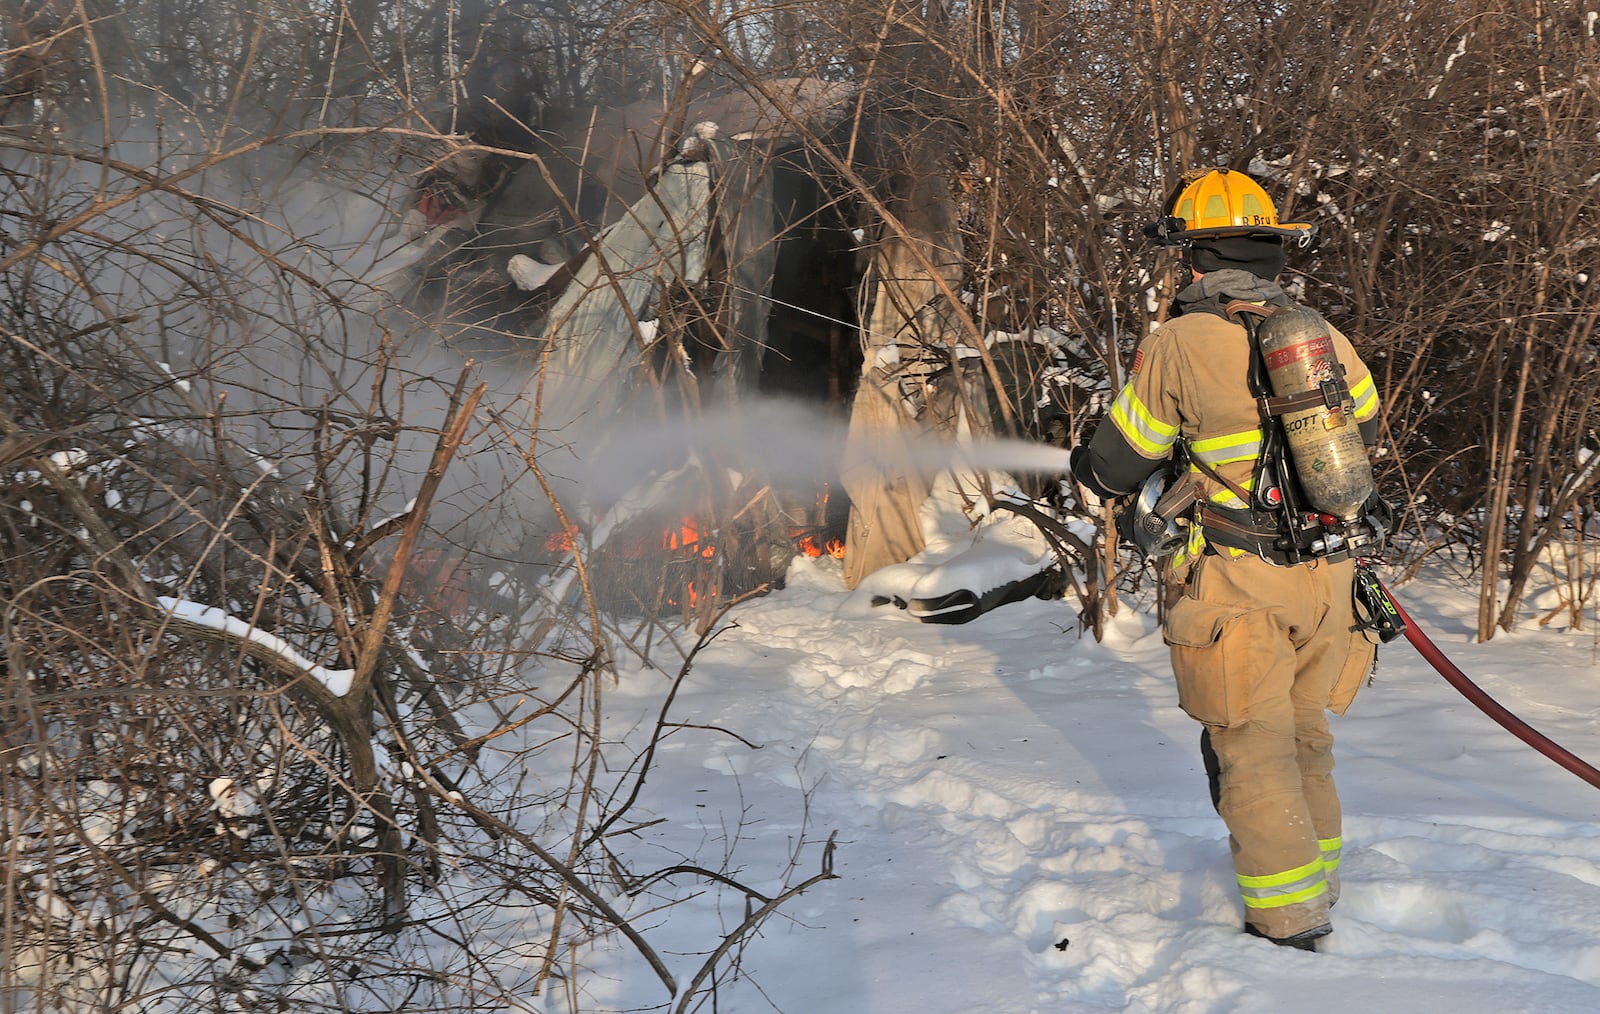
1489	706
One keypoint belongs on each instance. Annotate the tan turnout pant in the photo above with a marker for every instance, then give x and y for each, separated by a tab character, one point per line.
1261	653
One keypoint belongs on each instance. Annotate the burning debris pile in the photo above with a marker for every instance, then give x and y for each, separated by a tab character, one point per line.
794	240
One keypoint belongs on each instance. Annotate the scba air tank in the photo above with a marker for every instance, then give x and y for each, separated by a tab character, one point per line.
1324	441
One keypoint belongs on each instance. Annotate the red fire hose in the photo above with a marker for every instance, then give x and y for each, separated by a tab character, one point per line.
1489	706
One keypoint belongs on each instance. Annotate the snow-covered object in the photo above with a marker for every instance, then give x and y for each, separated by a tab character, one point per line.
529	274
692	147
229	800
971	562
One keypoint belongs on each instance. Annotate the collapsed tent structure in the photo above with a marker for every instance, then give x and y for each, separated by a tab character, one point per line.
788	241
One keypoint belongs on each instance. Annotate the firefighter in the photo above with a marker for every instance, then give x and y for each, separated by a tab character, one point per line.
1265	639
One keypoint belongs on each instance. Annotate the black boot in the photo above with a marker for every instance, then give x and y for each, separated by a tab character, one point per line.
1306	940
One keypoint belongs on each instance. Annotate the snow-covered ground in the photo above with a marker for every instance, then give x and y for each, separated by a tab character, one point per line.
1023	824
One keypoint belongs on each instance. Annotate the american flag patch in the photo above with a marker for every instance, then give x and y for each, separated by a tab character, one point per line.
1138	361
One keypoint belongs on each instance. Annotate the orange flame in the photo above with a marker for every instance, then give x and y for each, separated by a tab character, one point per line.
687	535
685	538
558	542
807	544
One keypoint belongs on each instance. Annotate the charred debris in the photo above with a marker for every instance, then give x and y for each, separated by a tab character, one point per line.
789	241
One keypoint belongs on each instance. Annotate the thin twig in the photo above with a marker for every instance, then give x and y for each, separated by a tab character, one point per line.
755	919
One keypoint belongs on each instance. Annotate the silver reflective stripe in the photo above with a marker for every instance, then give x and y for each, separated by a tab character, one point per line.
1332	851
1290	887
1216	451
1147	434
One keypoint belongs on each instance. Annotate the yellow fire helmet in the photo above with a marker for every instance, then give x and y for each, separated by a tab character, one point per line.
1221	202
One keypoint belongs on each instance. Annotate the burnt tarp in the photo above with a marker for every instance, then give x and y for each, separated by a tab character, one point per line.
716	206
908	336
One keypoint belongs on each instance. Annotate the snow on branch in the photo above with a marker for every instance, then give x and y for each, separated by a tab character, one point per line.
269	648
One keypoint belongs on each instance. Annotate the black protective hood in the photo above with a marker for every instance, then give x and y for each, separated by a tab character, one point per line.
1262	256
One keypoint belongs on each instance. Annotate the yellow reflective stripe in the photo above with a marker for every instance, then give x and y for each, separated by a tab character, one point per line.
1226	497
1293	898
1226	450
1365	396
1332	850
1190	550
1149	435
1242	446
1290	887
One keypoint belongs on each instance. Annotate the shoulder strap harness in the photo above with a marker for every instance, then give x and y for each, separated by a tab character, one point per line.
1274	526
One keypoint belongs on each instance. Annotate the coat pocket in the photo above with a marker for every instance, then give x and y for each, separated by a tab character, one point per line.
1209	663
1356	666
